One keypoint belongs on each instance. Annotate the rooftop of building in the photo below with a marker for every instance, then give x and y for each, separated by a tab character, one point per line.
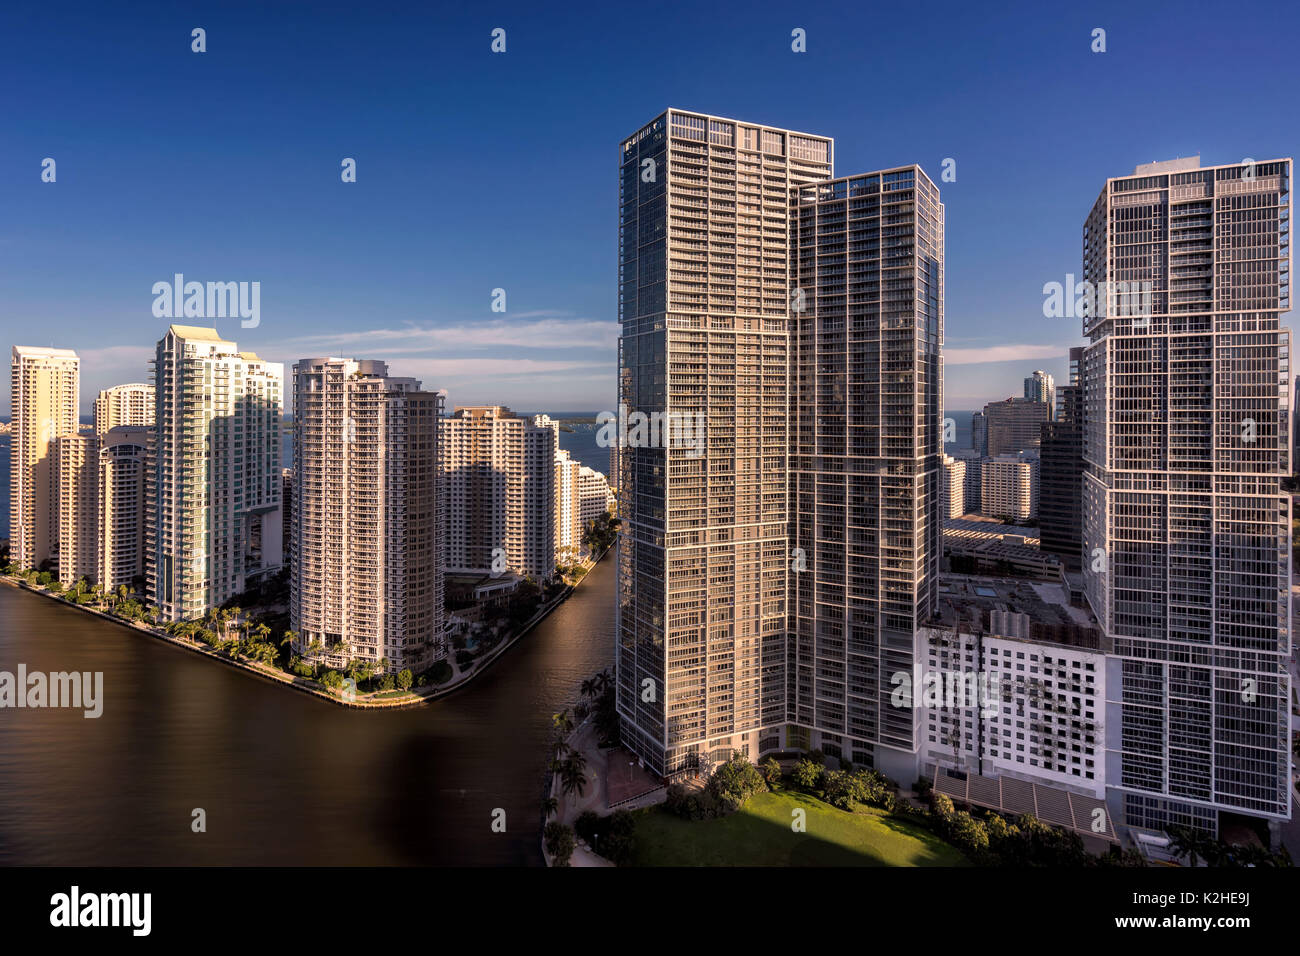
482	411
982	527
195	332
1046	615
40	351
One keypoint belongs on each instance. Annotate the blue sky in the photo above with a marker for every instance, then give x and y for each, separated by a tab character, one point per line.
479	171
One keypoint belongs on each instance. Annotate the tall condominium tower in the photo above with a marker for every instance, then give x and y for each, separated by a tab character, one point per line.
77	480
124	460
866	452
124	405
44	395
216	497
1060	496
1186	528
500	474
1041	387
705	296
979	434
568	517
952	487
1013	425
367	537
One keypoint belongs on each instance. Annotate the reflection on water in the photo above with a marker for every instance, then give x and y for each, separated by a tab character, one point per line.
285	779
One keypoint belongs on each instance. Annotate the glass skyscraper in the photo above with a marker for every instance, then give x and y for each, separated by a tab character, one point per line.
1186	527
772	576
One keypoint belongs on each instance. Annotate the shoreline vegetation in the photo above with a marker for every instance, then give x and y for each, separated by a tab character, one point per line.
242	640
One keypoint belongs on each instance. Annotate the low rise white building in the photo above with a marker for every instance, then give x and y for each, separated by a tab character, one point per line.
1031	676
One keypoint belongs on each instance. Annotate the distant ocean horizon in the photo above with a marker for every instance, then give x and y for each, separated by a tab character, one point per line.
578	438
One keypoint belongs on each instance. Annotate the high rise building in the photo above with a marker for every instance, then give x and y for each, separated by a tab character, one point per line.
1186	528
705	300
979	434
77	479
974	491
367	538
131	404
1013	425
866	452
1009	487
124	470
952	488
1041	387
568	520
1060	501
214	506
44	395
594	496
500	473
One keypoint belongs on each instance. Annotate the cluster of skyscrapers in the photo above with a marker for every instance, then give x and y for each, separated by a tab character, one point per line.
773	588
178	492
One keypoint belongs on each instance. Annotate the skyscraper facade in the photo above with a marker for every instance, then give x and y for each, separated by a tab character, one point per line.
979	434
1041	387
952	488
1013	425
1009	487
44	385
1186	528
500	474
1060	503
368	541
705	302
77	471
124	469
866	452
131	404
216	496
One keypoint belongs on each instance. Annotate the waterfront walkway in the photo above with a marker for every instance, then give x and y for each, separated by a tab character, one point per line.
378	699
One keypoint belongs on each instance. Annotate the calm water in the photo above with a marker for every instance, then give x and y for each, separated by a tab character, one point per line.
285	779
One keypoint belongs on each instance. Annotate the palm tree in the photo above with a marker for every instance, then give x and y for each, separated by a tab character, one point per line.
572	779
550	807
559	747
563	722
1184	841
290	637
588	687
578	759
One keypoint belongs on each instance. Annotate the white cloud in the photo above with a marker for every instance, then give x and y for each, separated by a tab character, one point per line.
539	333
1003	353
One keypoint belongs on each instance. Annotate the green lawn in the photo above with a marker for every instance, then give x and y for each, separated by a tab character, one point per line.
760	835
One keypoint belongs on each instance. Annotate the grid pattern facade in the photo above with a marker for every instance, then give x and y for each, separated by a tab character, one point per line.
367	540
500	474
704	304
1009	488
1060	495
952	487
1013	425
77	469
1186	527
866	450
